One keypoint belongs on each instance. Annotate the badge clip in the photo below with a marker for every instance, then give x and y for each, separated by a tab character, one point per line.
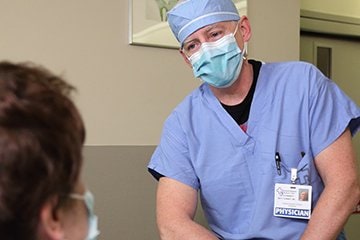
293	175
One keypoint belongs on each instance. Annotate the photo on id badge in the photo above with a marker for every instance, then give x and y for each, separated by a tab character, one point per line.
303	195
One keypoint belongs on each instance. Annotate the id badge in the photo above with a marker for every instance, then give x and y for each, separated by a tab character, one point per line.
292	201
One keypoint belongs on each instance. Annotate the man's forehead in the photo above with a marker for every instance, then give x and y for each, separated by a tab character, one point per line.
208	28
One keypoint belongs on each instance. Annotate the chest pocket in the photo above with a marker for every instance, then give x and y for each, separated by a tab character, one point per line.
292	155
304	163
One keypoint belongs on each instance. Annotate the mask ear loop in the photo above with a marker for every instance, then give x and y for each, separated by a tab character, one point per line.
245	50
236	29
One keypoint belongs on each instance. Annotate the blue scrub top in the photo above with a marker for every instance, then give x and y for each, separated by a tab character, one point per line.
296	111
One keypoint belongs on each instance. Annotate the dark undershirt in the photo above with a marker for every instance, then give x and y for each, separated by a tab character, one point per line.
239	112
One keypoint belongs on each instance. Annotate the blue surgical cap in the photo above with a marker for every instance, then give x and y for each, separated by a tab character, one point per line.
190	15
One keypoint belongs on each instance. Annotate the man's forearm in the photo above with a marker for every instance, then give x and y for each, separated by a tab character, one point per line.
186	229
176	208
331	212
338	169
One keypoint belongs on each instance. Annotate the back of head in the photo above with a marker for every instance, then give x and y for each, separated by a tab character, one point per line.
190	15
41	138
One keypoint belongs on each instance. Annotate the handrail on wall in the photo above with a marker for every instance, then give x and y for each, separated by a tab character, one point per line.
331	24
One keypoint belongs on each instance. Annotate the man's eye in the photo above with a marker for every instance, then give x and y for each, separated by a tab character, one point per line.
190	47
216	35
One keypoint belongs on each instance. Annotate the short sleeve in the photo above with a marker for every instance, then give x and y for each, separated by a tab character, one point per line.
171	157
331	112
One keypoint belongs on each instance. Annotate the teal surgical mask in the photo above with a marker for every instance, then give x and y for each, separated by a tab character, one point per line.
218	63
88	198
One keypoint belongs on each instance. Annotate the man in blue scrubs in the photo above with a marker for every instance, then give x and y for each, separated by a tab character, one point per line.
251	138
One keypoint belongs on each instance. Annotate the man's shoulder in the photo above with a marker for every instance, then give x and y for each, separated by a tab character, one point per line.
193	97
190	103
289	65
292	72
290	79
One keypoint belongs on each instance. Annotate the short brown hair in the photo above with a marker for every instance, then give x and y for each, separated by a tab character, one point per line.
41	139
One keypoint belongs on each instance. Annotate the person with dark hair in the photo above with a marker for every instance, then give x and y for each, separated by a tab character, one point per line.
42	195
249	137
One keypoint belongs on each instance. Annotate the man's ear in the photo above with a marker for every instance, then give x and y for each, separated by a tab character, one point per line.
245	29
185	58
50	226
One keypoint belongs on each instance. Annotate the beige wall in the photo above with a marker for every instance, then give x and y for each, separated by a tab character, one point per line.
125	92
275	26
